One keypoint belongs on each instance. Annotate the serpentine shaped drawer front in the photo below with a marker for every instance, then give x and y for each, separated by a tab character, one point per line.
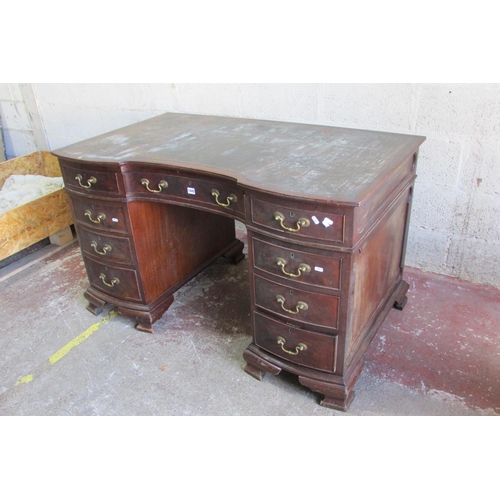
299	223
105	247
90	181
300	267
100	215
302	347
158	185
297	305
114	281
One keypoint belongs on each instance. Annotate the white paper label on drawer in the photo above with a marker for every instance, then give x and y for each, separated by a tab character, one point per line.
327	222
115	220
191	191
315	219
319	269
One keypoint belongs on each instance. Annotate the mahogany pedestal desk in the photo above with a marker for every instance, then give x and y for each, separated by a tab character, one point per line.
326	209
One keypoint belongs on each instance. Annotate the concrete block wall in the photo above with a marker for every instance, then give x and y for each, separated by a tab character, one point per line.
18	132
455	227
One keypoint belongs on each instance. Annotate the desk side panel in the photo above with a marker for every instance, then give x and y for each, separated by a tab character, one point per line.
377	275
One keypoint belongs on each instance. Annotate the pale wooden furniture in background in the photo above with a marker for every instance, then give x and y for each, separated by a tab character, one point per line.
42	218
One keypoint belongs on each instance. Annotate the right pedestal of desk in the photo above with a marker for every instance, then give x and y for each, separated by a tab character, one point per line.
323	277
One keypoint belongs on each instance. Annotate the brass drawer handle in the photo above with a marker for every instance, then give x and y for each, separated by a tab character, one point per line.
114	281
232	198
161	186
90	181
303	268
302	222
301	347
301	306
105	248
99	219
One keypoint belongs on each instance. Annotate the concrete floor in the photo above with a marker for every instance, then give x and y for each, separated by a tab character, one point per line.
440	356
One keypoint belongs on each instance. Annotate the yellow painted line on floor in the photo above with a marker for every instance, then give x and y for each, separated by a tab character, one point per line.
25	380
81	338
70	345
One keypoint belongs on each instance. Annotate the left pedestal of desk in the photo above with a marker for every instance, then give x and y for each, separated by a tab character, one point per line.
138	253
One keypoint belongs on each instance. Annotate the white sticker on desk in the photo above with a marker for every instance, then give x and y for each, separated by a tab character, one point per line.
115	220
327	222
191	191
319	269
315	219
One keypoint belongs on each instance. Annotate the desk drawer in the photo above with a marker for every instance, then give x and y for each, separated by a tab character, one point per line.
297	305
114	281
299	223
89	180
206	193
297	266
302	347
105	216
105	247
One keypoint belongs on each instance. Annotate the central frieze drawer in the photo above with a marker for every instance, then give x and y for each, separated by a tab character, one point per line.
298	222
297	305
165	185
302	347
120	283
105	247
301	267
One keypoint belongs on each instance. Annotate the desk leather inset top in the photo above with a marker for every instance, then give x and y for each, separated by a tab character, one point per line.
327	213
